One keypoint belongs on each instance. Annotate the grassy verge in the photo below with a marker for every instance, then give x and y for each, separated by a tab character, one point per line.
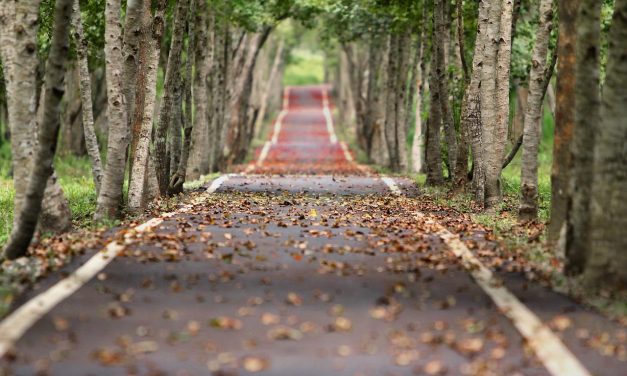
75	178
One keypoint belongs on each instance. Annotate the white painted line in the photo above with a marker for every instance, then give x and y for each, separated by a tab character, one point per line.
216	184
326	111
277	126
551	351
347	153
286	98
13	327
391	184
264	153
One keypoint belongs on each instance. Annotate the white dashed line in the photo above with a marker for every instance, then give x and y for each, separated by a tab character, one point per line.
13	327
326	111
391	184
347	153
551	351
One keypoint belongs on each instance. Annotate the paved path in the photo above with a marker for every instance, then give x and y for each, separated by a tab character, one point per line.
317	269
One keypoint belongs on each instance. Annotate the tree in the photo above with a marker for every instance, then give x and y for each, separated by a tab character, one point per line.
20	59
110	196
179	163
494	93
471	120
606	262
93	149
172	79
48	134
531	140
145	97
564	116
587	115
417	149
440	69
200	159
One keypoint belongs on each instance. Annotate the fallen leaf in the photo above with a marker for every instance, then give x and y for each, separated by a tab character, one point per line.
294	299
435	367
226	323
285	333
254	364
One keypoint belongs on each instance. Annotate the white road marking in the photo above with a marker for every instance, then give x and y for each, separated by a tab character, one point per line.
277	126
264	153
391	184
279	121
13	327
326	111
347	153
286	98
551	351
216	184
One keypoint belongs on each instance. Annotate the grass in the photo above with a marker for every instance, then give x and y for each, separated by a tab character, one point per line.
304	67
75	178
511	174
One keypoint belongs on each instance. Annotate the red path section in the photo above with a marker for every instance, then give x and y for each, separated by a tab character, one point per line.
303	140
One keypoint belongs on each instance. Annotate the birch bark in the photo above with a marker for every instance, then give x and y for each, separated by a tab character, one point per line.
48	134
110	197
18	33
200	151
531	140
93	149
145	99
172	78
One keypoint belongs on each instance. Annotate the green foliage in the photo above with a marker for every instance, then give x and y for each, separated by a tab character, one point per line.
304	68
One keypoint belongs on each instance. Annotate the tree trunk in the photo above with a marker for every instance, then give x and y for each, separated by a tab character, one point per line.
133	30
417	142
179	165
200	151
564	116
173	148
607	260
374	104
587	116
357	67
344	89
71	134
20	64
48	134
110	197
93	149
434	157
401	99
145	99
495	96
276	64
531	140
440	68
374	120
390	108
471	119
220	93
461	43
241	124
172	78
